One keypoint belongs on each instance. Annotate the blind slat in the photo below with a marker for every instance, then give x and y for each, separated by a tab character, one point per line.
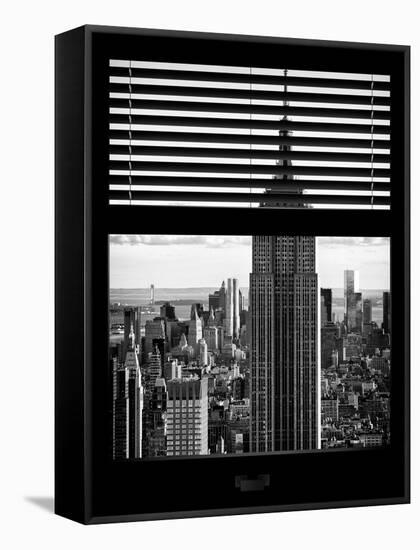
247	153
274	169
247	139
248	136
246	197
249	109
179	181
279	125
251	78
265	95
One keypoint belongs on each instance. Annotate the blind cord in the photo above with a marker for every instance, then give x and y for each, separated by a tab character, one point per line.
371	144
129	134
250	137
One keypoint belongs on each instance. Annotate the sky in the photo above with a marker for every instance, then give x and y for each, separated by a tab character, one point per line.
182	261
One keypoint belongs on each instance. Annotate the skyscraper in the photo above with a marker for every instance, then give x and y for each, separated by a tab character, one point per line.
367	316
326	306
167	312
357	326
386	301
351	285
330	334
236	308
203	353
120	415
284	344
285	182
132	317
154	368
222	296
217	300
135	399
157	423
214	300
367	311
154	334
195	328
187	417
210	336
232	308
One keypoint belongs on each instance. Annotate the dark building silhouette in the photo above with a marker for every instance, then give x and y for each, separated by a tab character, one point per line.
367	311
119	411
326	306
330	334
127	404
157	430
132	317
167	312
135	399
386	301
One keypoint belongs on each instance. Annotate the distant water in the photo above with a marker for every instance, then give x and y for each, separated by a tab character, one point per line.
141	296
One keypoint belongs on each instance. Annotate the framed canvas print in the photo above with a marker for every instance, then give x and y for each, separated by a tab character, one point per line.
232	274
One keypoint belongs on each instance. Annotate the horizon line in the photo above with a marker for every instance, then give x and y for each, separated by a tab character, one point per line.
211	286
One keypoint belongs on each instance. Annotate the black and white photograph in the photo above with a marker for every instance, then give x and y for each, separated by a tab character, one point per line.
248	344
209	256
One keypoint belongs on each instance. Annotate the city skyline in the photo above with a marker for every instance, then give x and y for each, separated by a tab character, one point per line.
297	366
139	260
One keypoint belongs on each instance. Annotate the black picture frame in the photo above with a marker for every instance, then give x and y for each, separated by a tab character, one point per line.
89	486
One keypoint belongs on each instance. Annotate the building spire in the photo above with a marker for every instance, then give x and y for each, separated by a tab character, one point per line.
194	314
285	179
131	339
183	341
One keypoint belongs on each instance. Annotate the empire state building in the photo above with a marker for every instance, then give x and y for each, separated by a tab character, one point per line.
284	182
284	344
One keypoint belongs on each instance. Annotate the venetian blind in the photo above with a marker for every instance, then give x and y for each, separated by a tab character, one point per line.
183	134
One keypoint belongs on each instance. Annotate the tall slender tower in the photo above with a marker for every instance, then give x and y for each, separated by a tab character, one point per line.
367	311
386	301
236	308
120	413
284	182
195	328
326	306
284	344
135	399
127	403
351	288
232	308
132	318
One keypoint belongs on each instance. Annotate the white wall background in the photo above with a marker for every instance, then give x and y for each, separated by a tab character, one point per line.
26	284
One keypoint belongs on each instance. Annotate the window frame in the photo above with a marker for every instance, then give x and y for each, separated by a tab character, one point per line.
92	488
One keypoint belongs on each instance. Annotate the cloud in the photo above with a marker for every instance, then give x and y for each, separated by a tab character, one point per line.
230	241
209	241
354	241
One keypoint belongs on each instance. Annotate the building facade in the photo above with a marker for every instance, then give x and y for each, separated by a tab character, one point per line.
367	311
128	404
187	417
284	341
132	317
326	306
232	325
386	305
351	285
